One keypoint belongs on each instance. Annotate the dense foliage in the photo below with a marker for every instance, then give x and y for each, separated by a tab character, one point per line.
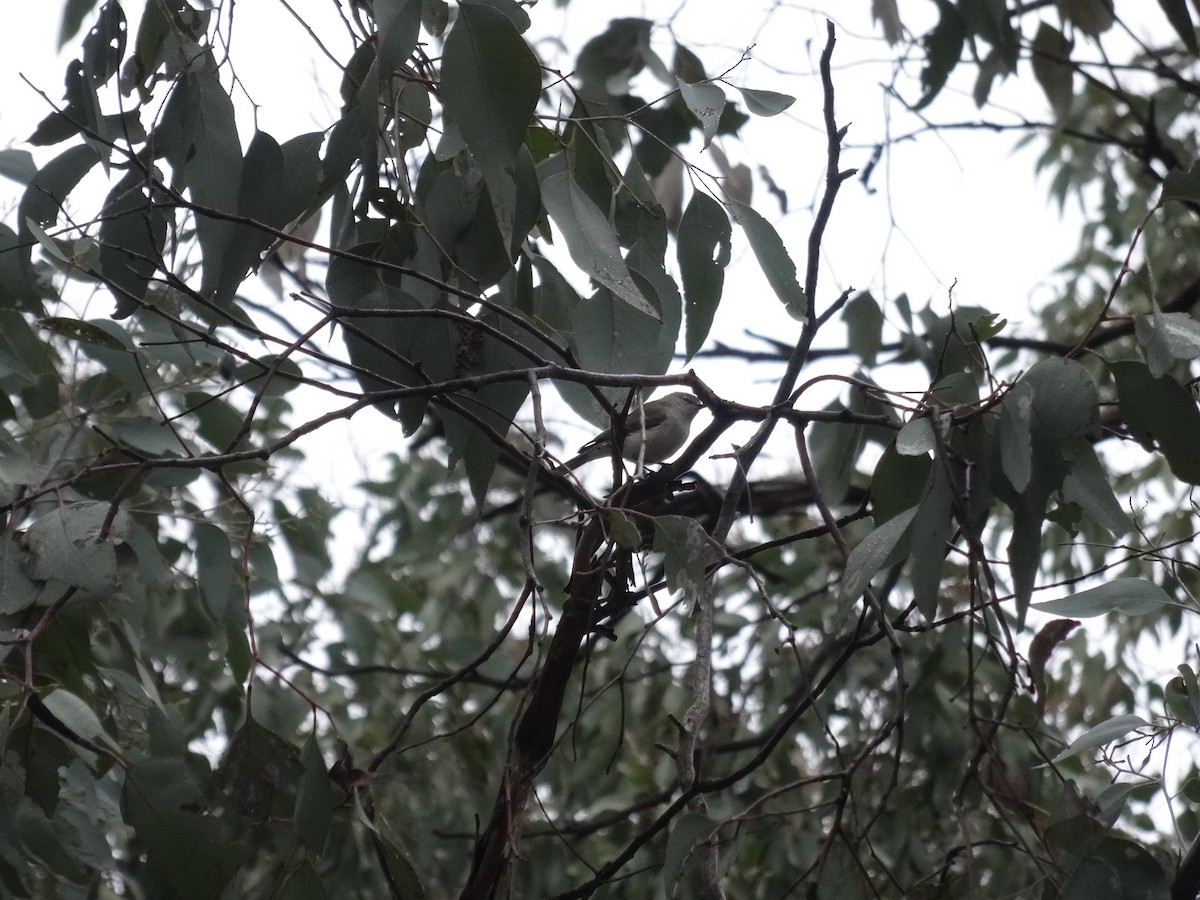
861	678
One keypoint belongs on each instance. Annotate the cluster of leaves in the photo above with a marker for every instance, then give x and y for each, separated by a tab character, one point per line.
196	705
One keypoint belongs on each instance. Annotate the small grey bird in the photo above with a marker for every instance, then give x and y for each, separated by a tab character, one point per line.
668	422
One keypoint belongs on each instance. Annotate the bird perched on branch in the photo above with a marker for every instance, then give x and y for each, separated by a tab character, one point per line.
651	434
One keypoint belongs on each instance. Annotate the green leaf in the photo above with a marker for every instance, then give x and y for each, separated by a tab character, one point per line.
74	12
1053	70
1160	411
74	712
1167	337
916	438
490	86
1087	484
104	46
133	232
1065	399
766	103
706	102
1181	20
1016	439
301	883
687	830
1092	17
392	346
1104	733
399	25
899	482
400	870
772	258
84	332
17	590
1182	186
198	135
1117	869
943	47
50	187
490	83
864	327
63	544
17	165
608	61
496	405
255	767
869	556
1191	686
314	800
703	248
435	16
687	552
1127	596
192	852
16	274
278	184
835	448
931	527
591	238
214	570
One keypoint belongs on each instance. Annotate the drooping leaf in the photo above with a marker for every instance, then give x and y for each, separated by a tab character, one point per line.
399	25
214	570
17	590
198	136
314	799
703	248
1016	439
864	327
104	46
133	233
256	766
686	831
772	258
1065	399
590	236
492	407
490	83
1088	485
868	557
1118	869
1181	20
931	527
943	46
50	187
1053	70
1160	411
